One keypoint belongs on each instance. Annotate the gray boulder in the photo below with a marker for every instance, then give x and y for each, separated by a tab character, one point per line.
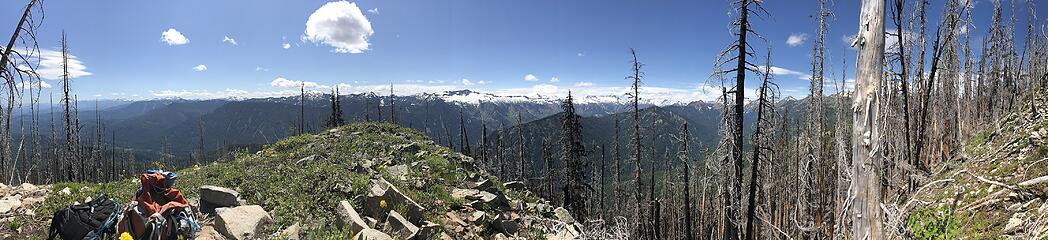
515	185
349	218
243	222
501	224
10	203
428	230
212	197
382	191
564	216
371	234
400	226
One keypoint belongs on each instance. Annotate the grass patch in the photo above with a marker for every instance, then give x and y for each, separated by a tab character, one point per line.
933	224
306	192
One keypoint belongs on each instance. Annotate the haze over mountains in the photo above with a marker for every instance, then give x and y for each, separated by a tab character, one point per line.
173	126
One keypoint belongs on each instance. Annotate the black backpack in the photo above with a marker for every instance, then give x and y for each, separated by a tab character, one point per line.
91	220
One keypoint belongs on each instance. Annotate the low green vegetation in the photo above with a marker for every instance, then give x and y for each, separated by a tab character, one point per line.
933	223
302	178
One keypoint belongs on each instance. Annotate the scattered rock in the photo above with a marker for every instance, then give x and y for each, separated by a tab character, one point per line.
428	230
27	187
564	216
410	148
212	197
65	191
209	233
371	222
1014	224
504	225
306	159
371	234
515	185
10	203
383	196
400	227
480	185
292	232
348	217
243	222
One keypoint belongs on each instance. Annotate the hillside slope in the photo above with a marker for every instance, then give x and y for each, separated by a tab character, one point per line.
302	179
998	190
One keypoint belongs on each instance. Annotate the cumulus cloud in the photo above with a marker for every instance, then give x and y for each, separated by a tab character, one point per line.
173	37
796	39
51	65
216	94
787	72
261	69
373	11
285	45
554	79
227	39
200	68
467	82
530	78
36	84
340	25
282	82
583	84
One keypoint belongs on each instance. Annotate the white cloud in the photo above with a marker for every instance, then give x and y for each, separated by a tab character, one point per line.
261	69
554	80
36	84
796	39
583	84
580	54
467	82
51	65
226	93
373	11
482	82
285	45
787	72
286	83
227	39
849	39
173	37
341	25
200	68
530	78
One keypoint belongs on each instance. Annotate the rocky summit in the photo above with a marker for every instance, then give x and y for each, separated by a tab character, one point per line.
361	181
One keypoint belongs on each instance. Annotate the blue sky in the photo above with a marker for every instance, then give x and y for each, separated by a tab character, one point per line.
425	46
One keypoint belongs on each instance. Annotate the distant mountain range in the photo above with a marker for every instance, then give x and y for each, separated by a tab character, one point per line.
173	126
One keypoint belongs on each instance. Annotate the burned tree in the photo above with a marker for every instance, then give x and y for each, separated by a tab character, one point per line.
866	215
635	97
521	150
463	136
761	143
737	53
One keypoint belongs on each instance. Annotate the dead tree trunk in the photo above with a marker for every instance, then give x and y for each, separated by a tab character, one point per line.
867	218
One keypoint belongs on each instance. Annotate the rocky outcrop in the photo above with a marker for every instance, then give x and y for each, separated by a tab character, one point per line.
349	218
243	222
371	234
400	227
383	196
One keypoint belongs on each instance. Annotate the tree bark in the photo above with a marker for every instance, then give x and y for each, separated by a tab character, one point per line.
867	218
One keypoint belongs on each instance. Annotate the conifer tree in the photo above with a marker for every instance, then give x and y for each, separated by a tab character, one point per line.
576	187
